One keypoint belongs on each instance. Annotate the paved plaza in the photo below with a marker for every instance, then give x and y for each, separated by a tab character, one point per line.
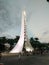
25	60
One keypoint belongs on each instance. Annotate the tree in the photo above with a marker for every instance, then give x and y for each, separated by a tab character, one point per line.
32	41
2	47
47	0
35	42
36	39
16	39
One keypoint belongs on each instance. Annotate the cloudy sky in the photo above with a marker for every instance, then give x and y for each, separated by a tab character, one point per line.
37	18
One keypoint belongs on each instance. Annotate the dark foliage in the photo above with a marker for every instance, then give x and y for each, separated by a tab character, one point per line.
36	44
4	40
47	0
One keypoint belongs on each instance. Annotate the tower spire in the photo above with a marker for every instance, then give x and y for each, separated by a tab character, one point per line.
27	44
23	40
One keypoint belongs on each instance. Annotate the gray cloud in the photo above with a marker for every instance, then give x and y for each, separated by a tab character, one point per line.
37	17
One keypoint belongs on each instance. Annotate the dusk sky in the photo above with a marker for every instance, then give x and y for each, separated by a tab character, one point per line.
37	12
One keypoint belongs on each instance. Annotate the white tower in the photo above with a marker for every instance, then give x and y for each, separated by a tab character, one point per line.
27	44
23	37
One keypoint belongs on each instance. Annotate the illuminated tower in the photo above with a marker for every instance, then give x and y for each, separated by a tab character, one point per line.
27	44
23	40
